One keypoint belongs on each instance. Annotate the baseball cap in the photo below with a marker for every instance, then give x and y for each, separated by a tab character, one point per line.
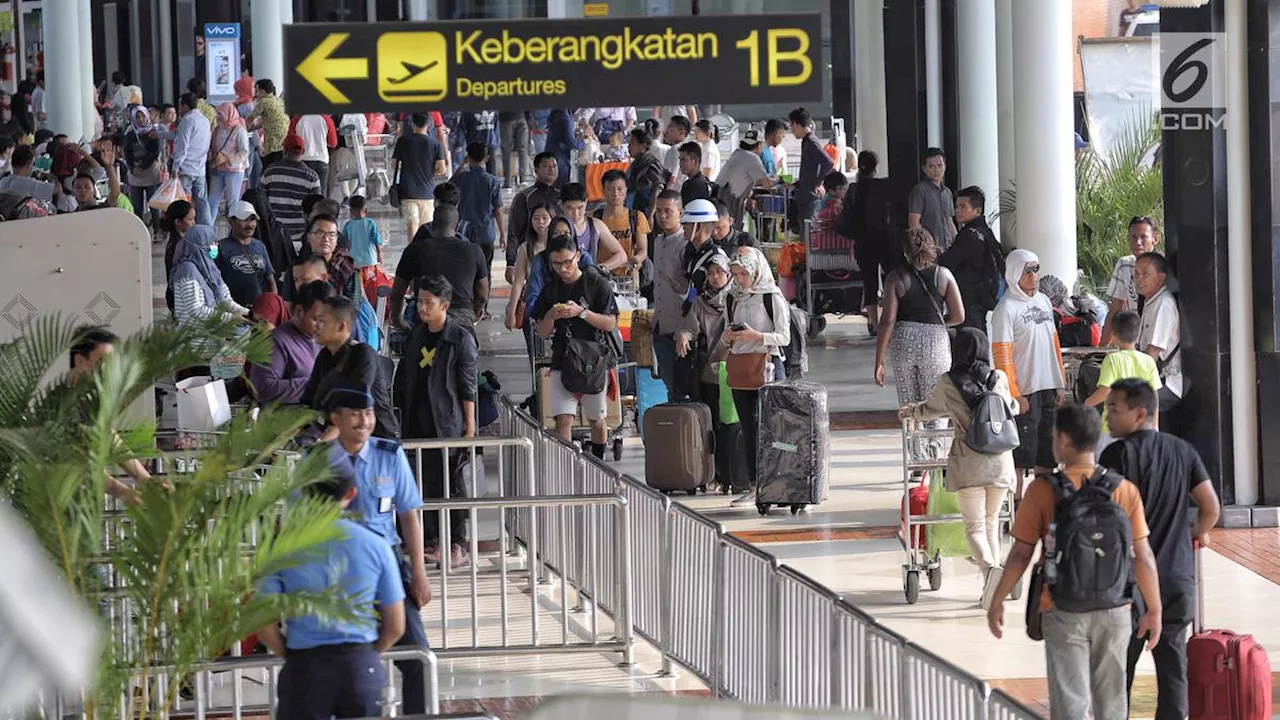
750	137
293	144
242	210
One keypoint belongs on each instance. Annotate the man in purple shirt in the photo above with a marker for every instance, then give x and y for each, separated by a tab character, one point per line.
294	353
814	166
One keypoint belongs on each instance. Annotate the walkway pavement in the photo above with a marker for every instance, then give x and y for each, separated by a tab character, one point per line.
850	544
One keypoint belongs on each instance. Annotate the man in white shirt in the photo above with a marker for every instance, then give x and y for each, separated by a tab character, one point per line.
742	173
677	134
1122	292
318	135
38	103
1161	334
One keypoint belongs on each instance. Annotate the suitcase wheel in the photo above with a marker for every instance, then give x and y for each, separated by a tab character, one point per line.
762	509
911	586
617	449
797	508
935	577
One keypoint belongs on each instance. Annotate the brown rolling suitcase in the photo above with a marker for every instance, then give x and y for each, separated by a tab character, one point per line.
680	447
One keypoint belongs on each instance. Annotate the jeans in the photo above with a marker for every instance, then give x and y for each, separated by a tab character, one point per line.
1085	657
140	196
413	679
664	347
515	138
980	508
331	681
253	176
226	183
195	187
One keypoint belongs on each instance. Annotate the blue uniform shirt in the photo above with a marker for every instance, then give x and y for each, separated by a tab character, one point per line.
363	565
481	194
384	485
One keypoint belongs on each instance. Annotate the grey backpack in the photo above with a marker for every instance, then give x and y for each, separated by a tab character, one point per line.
992	429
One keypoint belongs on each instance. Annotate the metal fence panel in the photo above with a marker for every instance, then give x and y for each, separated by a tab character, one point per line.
804	629
691	601
749	614
938	690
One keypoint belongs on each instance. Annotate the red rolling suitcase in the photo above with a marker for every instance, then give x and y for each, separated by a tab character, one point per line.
1228	675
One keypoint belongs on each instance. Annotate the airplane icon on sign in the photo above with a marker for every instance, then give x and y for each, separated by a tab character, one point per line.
412	71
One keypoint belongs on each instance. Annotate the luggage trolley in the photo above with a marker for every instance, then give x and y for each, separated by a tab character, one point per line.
832	281
925	450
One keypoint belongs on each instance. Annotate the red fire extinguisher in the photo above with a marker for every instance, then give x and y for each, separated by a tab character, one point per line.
8	60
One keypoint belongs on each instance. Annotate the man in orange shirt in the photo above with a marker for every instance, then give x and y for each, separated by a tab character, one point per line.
1085	647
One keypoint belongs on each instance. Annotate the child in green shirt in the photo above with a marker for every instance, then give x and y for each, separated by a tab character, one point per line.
1123	364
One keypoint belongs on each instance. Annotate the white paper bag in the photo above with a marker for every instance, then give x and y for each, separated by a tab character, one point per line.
202	404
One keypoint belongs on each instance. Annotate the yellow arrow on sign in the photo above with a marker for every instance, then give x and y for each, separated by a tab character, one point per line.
320	69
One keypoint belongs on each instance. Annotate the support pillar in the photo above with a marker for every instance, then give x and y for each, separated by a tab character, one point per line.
868	78
842	65
904	101
86	87
1043	109
933	71
268	40
64	101
979	121
1004	116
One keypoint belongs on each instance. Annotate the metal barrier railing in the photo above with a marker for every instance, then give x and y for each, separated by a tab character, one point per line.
731	615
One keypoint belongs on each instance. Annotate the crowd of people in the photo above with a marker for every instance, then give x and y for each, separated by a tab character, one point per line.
956	319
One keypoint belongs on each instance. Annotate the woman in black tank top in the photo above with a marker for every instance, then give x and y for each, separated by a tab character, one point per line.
920	300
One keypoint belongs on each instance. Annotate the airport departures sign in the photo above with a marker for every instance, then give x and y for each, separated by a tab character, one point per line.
525	64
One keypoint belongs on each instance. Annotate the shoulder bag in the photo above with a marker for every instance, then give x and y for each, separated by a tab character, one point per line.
745	371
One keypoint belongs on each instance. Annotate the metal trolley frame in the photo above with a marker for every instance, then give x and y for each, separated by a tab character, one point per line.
918	557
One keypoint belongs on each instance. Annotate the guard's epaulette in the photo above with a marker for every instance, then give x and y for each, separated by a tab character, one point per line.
384	444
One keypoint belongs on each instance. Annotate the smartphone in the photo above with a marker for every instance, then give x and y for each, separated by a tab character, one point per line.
738	327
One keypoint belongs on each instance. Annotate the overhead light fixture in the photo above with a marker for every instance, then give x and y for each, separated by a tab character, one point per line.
1181	3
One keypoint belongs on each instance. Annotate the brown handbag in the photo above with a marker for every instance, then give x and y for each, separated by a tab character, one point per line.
520	310
745	371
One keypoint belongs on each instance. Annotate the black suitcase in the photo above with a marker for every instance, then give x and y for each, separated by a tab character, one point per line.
793	454
679	447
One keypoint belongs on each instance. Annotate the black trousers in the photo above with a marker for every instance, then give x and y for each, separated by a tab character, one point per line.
1170	655
332	681
412	674
433	479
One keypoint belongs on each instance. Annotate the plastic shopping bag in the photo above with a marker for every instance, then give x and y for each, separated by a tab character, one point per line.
170	191
946	539
728	409
202	404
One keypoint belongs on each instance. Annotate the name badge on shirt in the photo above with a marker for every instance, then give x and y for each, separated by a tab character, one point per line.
383	485
384	505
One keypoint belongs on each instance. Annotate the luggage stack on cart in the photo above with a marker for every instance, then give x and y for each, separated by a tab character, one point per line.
931	523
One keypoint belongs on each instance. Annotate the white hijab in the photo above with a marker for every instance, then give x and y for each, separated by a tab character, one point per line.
1014	264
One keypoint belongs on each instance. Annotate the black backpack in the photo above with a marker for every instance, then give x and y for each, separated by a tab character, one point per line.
584	366
1090	566
1087	377
992	429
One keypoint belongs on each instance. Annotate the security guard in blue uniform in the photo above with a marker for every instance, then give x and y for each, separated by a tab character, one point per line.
331	669
385	492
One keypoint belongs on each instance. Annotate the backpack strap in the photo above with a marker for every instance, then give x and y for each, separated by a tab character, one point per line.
1105	478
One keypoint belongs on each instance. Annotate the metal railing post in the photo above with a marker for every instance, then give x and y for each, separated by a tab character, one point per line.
624	620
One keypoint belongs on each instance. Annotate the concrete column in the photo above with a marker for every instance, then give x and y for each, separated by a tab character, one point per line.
286	11
979	124
268	40
419	10
87	90
933	71
1045	162
64	101
868	79
1004	115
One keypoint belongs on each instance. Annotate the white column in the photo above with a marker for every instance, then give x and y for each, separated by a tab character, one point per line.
1244	373
1004	114
868	78
268	40
164	21
1045	163
64	102
933	71
979	133
87	89
286	11
419	10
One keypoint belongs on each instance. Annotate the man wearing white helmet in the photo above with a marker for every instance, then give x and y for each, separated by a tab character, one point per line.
699	221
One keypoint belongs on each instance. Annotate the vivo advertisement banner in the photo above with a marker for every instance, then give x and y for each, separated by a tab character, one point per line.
222	60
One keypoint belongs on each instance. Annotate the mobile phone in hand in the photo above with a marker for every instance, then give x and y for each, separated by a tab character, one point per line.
738	327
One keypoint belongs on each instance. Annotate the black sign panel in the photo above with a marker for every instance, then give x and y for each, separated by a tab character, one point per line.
517	65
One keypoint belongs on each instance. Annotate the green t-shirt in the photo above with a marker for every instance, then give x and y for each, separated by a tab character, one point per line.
1125	365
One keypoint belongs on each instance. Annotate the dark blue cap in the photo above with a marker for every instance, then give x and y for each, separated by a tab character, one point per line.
351	397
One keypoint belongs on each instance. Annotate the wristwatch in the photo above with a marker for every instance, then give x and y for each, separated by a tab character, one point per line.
583	314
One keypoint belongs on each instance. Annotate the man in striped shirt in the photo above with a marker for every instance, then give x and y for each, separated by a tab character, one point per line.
287	183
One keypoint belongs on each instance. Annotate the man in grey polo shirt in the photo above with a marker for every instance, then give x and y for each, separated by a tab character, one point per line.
930	203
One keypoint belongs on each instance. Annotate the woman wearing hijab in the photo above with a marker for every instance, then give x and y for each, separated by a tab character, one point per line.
700	347
920	300
197	285
177	219
1024	342
279	245
142	157
245	105
757	328
229	153
980	480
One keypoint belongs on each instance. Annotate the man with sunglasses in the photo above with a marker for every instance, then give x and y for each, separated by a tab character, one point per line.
1123	291
1024	345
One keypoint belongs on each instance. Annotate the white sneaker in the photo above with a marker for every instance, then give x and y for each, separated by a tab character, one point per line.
989	586
745	499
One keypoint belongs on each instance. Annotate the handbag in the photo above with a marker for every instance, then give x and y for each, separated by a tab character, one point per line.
584	366
521	310
393	196
1035	590
745	371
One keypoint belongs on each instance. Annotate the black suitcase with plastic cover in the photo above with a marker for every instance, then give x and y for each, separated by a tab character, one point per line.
793	454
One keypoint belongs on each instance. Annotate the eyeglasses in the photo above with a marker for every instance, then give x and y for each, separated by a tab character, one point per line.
325	235
564	264
1030	269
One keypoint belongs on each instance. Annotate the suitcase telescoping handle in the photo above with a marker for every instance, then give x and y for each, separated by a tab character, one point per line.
1197	620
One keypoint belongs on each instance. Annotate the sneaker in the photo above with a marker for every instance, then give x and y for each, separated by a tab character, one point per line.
989	586
431	554
745	499
458	558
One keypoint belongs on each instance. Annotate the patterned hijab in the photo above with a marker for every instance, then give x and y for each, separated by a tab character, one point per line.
757	266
